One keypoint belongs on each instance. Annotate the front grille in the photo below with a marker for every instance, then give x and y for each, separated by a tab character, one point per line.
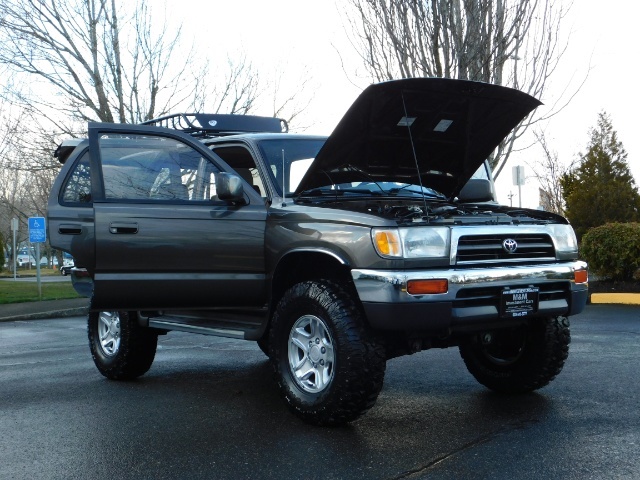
489	248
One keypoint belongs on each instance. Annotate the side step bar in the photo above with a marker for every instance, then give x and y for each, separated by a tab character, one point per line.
181	327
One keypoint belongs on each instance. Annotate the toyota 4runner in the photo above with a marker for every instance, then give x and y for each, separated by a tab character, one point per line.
334	254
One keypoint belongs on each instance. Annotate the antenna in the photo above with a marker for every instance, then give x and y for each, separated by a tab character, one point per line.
413	149
284	192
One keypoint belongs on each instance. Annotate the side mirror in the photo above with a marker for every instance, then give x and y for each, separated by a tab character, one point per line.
476	190
229	188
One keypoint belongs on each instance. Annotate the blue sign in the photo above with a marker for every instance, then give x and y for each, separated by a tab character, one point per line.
37	230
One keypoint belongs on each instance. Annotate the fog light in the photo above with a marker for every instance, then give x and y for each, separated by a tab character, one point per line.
424	287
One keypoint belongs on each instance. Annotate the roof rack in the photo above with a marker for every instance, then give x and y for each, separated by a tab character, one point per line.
213	124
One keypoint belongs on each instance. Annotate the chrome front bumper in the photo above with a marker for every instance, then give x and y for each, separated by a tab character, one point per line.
472	296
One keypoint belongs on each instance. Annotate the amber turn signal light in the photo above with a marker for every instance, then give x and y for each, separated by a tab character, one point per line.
581	276
387	243
423	287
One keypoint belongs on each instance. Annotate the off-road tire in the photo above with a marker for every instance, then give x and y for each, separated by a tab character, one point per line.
127	358
353	380
518	360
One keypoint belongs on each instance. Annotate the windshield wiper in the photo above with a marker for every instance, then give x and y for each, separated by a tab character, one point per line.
337	192
405	188
399	191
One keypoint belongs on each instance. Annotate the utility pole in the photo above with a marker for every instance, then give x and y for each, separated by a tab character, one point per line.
14	230
518	179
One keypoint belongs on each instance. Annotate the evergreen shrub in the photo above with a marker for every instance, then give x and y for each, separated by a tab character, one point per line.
612	250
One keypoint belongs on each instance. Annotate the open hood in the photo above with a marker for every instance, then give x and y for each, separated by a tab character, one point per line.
442	128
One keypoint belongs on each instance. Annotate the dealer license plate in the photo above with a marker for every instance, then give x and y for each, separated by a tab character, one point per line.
519	302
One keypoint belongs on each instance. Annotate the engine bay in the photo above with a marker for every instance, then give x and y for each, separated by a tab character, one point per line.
428	212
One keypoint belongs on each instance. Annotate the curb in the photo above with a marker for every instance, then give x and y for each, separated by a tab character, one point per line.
615	298
44	309
71	312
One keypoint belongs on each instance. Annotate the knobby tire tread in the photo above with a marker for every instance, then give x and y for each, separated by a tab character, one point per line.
546	351
136	353
361	361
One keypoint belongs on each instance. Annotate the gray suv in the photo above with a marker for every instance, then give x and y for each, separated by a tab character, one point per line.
333	254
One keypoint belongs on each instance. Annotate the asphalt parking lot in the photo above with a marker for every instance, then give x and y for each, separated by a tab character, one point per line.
208	408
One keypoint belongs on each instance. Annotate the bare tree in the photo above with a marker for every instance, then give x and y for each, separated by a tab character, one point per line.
290	105
27	171
76	50
100	60
13	205
233	90
514	43
549	171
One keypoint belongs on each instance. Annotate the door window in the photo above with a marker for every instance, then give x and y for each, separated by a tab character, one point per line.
241	160
154	169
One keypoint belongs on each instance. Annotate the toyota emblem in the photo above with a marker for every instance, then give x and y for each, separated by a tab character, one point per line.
510	245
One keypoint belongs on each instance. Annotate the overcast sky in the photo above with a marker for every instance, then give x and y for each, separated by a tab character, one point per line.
606	36
299	34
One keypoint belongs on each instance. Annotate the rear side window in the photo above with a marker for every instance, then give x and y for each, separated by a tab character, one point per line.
77	188
154	169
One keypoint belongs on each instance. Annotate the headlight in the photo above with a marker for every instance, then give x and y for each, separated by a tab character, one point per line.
417	242
564	238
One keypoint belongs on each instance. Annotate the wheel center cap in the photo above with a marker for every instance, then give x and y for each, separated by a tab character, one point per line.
315	354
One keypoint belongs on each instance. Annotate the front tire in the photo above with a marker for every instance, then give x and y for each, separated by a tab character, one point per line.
329	367
120	347
518	360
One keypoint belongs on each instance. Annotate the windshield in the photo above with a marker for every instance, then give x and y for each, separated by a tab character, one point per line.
289	159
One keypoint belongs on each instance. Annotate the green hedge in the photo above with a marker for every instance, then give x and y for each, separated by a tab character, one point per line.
613	250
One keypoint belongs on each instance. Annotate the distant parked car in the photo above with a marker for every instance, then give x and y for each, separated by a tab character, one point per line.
65	270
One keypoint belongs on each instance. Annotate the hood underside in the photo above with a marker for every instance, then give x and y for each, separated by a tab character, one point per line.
440	130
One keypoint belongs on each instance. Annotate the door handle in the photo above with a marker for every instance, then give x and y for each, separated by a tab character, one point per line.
70	229
127	228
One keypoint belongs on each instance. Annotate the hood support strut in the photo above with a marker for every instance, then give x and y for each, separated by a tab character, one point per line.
413	150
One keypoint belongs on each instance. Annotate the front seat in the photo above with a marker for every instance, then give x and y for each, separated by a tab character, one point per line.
247	176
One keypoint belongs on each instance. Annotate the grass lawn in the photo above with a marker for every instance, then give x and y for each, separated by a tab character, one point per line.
17	292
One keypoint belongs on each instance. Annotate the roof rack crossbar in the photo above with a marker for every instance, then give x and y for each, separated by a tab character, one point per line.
213	124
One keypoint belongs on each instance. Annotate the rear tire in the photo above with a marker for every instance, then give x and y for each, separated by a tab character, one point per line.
518	360
328	365
120	347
